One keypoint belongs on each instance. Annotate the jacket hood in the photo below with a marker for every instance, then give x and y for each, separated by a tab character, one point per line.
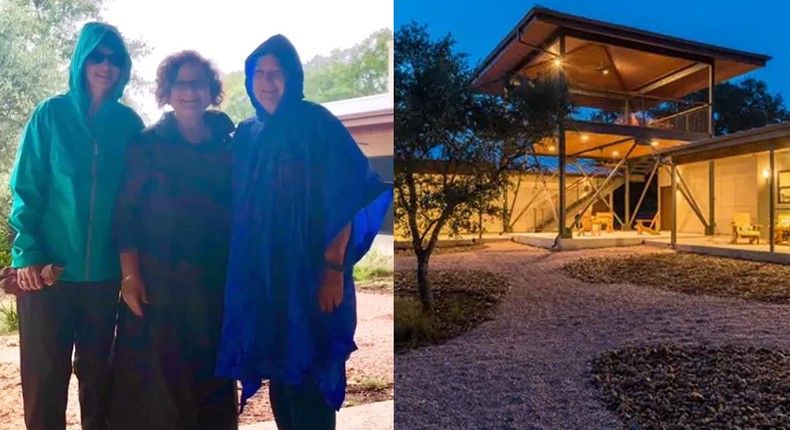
92	35
282	48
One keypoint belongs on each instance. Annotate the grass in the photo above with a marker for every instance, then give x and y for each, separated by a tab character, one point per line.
690	274
374	271
463	300
9	320
374	384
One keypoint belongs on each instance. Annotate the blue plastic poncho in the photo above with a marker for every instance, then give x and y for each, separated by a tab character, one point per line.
299	179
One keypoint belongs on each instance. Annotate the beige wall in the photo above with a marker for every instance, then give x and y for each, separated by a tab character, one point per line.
739	187
529	186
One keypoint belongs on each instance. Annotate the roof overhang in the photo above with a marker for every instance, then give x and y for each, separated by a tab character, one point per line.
756	140
644	62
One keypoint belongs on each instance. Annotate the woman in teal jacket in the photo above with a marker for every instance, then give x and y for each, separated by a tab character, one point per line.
64	186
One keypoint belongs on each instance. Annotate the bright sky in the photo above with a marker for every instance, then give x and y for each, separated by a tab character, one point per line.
226	31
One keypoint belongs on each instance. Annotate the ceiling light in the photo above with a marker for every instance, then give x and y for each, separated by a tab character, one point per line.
557	62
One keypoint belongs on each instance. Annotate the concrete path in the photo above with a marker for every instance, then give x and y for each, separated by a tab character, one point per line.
377	416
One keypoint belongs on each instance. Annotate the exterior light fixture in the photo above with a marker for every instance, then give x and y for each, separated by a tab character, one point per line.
615	153
654	143
766	173
585	137
551	148
557	62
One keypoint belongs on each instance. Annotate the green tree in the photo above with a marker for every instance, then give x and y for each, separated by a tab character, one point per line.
743	104
236	102
468	142
37	39
343	74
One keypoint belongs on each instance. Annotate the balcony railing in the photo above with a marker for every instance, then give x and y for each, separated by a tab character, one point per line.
644	111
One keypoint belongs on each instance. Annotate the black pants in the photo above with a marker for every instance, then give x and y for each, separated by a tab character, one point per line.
300	407
53	322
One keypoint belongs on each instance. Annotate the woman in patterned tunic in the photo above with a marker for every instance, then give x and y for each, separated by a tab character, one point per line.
173	231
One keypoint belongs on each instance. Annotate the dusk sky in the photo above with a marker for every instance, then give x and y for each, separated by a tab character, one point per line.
760	27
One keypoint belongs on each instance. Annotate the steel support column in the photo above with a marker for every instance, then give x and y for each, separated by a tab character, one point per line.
674	178
564	232
772	201
627	195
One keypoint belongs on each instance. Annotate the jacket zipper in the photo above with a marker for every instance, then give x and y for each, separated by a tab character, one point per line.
90	215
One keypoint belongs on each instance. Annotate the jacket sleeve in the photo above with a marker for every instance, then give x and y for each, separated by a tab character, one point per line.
29	186
352	192
127	206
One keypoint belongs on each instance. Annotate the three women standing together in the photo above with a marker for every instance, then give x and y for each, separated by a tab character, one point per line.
233	251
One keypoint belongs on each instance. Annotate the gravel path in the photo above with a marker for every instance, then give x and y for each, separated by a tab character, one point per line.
528	368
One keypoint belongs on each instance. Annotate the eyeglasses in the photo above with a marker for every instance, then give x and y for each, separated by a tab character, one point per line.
197	84
97	57
271	75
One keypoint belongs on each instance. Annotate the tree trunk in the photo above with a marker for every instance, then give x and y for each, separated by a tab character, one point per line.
424	283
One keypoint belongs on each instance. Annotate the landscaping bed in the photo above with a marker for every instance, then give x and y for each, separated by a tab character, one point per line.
463	299
672	387
690	274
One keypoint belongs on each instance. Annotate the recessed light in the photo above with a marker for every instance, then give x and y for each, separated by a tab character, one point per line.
585	137
653	142
615	153
551	147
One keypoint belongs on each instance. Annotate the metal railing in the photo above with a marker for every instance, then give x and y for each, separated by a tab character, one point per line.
646	111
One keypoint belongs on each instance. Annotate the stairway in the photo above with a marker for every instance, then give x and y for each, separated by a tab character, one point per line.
548	223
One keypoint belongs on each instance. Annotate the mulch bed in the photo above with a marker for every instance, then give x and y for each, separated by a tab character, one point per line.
463	300
672	387
690	274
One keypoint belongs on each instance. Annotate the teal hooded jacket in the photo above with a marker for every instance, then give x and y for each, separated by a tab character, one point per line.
68	171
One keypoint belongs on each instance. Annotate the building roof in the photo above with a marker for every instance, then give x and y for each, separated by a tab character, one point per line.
760	139
610	58
361	106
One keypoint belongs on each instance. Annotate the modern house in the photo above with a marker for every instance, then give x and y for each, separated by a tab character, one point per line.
638	126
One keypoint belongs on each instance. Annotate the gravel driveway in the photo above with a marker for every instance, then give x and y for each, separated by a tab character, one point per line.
527	369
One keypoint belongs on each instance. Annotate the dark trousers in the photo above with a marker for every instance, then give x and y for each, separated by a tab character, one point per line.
300	407
53	322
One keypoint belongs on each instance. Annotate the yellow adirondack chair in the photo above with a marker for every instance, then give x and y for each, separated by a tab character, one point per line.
605	218
782	227
742	227
588	224
647	226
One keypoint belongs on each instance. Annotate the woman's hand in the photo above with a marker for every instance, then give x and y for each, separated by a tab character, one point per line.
29	278
133	293
330	295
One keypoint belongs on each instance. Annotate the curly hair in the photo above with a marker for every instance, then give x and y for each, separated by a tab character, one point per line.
167	73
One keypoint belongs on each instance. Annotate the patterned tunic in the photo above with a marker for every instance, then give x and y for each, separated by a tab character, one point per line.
175	211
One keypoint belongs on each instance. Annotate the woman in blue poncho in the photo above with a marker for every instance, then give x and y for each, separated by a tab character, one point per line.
306	208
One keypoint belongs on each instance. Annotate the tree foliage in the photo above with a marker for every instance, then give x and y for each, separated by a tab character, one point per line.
454	148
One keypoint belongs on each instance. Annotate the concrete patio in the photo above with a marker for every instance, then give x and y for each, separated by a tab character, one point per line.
377	416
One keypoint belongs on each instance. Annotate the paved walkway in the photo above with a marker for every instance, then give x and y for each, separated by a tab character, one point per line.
373	416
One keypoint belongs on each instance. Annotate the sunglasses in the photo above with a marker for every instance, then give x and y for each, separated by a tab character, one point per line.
115	59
